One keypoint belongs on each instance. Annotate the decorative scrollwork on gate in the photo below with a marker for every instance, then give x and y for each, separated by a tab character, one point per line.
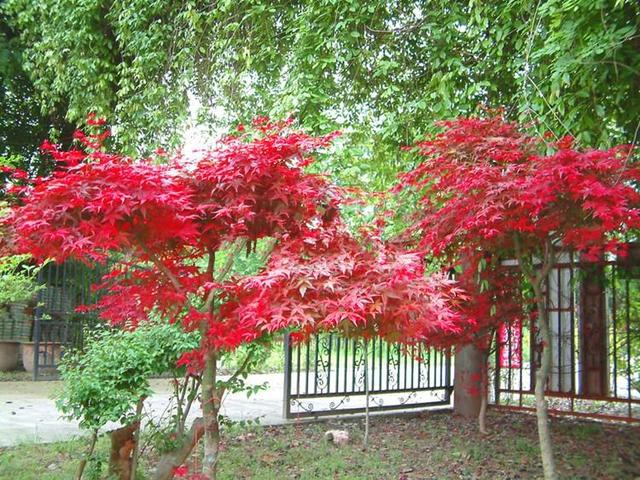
359	363
327	376
324	363
393	362
343	400
294	402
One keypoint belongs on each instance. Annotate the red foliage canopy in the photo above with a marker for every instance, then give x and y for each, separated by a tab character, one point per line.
485	183
361	287
162	223
488	191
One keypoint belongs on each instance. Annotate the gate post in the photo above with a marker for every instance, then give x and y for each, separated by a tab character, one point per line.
467	384
286	406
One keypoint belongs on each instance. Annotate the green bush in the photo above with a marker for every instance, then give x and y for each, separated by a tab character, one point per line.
104	382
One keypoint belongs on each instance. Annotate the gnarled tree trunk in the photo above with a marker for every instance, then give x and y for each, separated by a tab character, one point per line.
122	445
169	461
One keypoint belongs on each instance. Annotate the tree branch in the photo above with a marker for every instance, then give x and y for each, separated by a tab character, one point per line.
238	371
163	268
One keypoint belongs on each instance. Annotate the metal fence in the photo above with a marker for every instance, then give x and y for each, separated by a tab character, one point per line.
326	376
57	325
594	315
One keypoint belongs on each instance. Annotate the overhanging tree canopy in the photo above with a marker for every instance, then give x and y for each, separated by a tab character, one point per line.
387	70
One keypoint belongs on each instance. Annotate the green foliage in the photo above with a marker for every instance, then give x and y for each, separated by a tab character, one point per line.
17	279
104	382
385	69
270	358
23	124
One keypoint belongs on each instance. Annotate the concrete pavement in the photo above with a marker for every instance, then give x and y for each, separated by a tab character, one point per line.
28	412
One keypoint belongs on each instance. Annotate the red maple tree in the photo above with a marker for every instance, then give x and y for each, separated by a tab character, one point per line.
488	188
171	228
162	224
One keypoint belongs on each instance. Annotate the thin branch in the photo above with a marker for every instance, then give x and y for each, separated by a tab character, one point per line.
163	268
195	385
238	371
226	268
399	30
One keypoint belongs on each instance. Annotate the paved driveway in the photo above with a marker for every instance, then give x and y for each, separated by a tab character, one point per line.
28	414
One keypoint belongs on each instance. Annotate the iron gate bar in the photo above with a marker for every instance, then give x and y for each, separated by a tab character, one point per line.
65	286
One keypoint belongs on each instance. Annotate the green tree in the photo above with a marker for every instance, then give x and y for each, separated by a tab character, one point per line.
389	69
23	124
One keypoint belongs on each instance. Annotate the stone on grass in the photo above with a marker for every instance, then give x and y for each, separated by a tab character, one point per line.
337	437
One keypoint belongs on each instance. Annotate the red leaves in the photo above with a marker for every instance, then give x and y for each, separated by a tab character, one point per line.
373	289
482	181
157	221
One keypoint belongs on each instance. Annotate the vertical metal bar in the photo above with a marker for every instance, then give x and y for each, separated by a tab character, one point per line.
521	369
346	363
559	310
298	365
572	327
405	367
507	328
413	365
338	340
447	395
380	355
286	406
329	363
419	364
388	365
315	365
429	351
443	361
614	307
36	322
628	335
497	385
436	383
373	364
51	296
353	366
306	373
399	366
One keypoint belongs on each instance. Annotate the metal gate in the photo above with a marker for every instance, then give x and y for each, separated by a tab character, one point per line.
594	316
326	376
57	325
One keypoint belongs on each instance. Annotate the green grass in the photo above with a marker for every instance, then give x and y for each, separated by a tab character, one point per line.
55	461
428	446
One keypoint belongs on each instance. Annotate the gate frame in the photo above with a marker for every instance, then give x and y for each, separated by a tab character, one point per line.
578	312
289	397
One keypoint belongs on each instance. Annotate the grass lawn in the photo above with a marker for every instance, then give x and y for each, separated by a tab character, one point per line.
427	446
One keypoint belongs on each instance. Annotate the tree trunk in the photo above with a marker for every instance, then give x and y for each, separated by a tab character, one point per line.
544	431
365	441
175	458
484	391
136	439
210	408
122	444
467	381
87	457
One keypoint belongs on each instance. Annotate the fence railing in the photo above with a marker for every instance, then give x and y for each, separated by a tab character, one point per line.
326	376
57	325
594	314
